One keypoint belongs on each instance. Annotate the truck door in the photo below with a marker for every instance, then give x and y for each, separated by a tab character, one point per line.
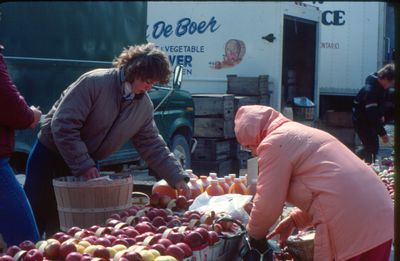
299	57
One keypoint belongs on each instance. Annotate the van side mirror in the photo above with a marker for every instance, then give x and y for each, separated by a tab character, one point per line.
177	78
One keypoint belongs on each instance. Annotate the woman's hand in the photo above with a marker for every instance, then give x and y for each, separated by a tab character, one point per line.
91	173
37	113
284	229
183	188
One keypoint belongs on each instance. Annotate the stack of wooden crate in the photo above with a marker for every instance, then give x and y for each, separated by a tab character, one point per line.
214	132
247	91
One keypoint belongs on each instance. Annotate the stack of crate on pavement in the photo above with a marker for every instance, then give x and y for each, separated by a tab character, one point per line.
247	91
214	132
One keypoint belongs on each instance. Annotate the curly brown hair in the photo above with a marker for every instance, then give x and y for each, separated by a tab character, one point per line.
145	62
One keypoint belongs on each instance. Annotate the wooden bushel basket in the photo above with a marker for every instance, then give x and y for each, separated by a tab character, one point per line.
85	203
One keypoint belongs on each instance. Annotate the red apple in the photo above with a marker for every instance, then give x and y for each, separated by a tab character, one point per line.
27	245
131	240
212	237
161	212
86	257
203	232
33	255
158	221
58	235
165	242
52	250
160	248
130	231
112	222
186	248
175	251
155	199
6	258
64	237
103	242
193	239
120	241
101	252
110	237
181	202
143	227
132	256
66	248
74	256
12	250
174	223
73	230
161	229
175	237
116	216
94	228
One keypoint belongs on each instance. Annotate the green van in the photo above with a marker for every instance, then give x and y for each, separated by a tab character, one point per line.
48	45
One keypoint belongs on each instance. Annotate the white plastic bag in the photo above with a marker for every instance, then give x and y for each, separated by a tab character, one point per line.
231	204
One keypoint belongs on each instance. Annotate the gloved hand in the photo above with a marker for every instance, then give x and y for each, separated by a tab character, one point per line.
260	244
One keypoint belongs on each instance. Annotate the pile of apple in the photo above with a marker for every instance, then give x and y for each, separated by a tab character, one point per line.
386	174
137	234
178	204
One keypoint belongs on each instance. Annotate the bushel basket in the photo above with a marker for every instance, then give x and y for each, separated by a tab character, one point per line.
85	203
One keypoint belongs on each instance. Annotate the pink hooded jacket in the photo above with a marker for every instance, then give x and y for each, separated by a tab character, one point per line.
335	191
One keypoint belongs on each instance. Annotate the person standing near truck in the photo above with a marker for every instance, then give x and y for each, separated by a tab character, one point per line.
368	112
16	218
94	117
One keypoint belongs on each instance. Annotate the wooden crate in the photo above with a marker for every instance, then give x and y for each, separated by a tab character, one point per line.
214	128
338	119
216	105
214	149
251	86
250	100
221	167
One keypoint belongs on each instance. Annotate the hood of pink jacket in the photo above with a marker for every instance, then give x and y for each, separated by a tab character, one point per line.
254	122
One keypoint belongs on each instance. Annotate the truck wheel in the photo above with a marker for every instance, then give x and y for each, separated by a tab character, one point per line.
181	150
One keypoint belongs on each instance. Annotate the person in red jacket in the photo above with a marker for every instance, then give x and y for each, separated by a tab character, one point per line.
16	218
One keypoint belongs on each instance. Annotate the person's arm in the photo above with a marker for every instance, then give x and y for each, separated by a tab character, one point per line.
153	149
272	186
67	121
374	112
15	112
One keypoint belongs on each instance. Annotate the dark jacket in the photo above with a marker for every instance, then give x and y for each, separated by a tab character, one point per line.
368	106
14	111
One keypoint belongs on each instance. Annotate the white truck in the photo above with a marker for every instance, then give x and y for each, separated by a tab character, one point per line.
317	49
215	39
356	39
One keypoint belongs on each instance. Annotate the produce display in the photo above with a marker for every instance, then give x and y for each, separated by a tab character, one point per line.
162	230
137	234
385	170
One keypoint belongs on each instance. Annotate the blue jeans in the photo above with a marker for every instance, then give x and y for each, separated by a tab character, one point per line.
42	167
16	218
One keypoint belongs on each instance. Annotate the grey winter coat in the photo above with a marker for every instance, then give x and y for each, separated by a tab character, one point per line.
91	120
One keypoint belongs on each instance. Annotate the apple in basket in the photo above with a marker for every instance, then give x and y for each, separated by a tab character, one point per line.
132	256
33	255
212	238
52	250
6	258
193	239
27	245
186	248
144	227
12	250
66	248
175	251
73	256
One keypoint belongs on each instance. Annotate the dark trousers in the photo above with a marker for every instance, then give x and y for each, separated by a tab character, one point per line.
16	218
42	167
370	142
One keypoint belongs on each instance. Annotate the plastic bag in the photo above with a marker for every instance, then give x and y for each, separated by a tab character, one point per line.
231	204
302	102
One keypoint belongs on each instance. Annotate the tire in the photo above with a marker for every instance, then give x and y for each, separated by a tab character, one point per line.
181	150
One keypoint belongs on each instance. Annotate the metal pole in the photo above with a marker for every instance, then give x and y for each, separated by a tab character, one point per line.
397	136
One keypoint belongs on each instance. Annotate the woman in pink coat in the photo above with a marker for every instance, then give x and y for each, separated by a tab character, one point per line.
334	191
